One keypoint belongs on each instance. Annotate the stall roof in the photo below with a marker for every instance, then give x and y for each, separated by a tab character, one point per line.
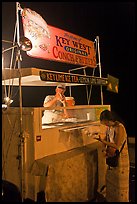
42	77
29	77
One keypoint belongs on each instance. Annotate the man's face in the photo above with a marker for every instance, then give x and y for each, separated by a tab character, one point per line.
60	90
107	123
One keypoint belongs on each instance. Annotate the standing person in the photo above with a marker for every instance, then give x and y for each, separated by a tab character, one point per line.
53	101
117	178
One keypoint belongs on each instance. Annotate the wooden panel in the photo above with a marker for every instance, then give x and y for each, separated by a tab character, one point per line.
70	156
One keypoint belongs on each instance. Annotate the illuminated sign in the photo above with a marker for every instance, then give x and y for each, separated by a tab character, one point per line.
51	43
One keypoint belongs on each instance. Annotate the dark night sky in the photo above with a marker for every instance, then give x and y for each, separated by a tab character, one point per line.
114	23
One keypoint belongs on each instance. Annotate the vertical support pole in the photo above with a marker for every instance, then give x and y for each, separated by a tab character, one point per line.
99	63
21	149
70	91
86	86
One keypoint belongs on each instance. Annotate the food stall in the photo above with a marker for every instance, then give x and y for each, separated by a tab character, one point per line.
62	159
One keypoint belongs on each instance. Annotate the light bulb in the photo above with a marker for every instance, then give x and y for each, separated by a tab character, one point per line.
8	101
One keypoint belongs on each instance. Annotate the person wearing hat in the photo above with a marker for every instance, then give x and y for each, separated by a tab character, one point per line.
58	99
53	101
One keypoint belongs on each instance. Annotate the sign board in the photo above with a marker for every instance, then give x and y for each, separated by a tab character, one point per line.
113	84
71	78
51	43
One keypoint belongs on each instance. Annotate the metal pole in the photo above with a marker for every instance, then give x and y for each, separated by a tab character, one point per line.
99	63
86	87
21	149
70	91
77	68
89	97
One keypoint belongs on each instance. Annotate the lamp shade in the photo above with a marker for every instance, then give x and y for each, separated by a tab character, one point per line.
25	44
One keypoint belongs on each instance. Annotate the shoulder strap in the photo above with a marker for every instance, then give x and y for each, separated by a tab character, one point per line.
122	146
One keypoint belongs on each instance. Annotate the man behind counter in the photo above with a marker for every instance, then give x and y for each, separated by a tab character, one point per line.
57	100
53	101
